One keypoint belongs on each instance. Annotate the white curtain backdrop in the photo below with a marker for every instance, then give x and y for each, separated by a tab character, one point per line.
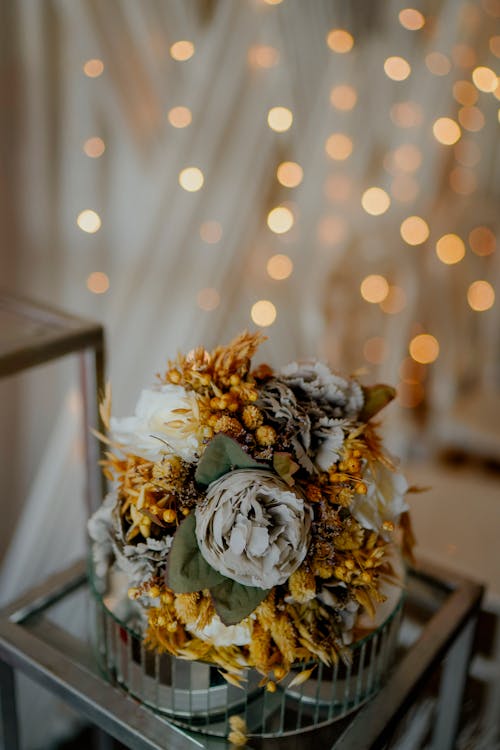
150	247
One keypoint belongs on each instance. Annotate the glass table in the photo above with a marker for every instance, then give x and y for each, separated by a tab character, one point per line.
436	638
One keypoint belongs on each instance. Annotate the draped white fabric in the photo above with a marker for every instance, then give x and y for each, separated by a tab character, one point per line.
149	244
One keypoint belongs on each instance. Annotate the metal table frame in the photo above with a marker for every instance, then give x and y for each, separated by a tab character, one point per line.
66	666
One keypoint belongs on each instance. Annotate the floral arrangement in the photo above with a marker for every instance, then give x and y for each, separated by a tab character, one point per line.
253	512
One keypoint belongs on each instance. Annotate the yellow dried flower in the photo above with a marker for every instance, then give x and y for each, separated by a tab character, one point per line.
252	417
265	435
302	584
187	607
260	648
229	425
351	537
266	611
322	569
283	634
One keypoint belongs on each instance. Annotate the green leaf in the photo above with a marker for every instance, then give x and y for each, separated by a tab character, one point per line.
223	454
285	466
187	568
376	397
233	601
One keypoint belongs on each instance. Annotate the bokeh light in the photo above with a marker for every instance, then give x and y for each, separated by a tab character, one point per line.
89	221
280	219
340	40
480	295
182	50
93	68
446	131
467	152
94	147
411	371
407	157
211	232
406	114
375	201
180	117
437	63
463	56
484	79
191	179
471	118
482	241
343	97
279	267
411	19
404	188
331	230
208	299
397	68
450	249
263	56
374	288
289	174
414	230
263	313
375	350
410	395
424	348
395	301
338	146
279	119
338	188
494	45
97	282
464	92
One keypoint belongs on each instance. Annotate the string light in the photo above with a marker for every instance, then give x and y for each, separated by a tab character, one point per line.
437	63
93	68
446	131
94	147
180	117
424	348
375	350
89	221
289	174
484	79
450	249
374	288
280	220
208	299
182	50
411	19
263	56
340	41
279	119
343	97
482	241
464	92
397	68
375	201
279	267
97	282
211	232
338	146
395	301
414	230
263	313
406	114
331	231
480	296
191	179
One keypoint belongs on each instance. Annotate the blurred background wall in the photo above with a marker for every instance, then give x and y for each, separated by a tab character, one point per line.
180	170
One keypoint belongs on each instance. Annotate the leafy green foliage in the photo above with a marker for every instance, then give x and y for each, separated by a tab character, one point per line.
285	466
187	568
233	601
223	454
376	397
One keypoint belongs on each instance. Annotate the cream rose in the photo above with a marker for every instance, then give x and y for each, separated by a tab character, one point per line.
384	500
166	422
253	528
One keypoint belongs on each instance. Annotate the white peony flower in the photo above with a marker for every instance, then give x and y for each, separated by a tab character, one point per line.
223	635
316	381
166	422
252	528
384	500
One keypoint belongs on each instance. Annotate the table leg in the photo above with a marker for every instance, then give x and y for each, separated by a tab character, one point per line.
453	678
8	712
